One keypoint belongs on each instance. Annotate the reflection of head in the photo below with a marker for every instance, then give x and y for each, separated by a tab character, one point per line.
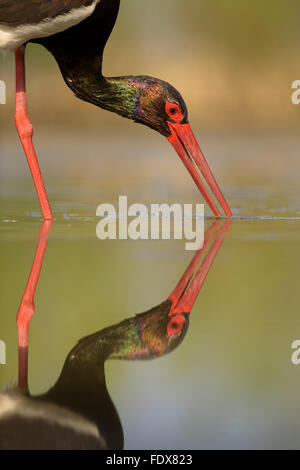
145	336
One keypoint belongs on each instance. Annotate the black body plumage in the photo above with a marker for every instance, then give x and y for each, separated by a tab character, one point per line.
21	12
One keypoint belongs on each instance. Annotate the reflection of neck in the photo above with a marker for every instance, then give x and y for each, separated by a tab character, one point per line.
81	388
81	385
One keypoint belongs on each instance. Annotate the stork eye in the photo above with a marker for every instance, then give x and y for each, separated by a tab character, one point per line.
174	111
175	325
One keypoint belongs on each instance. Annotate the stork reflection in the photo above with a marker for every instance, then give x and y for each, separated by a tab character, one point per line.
77	412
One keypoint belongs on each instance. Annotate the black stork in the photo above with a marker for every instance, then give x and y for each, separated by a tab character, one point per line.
75	32
77	412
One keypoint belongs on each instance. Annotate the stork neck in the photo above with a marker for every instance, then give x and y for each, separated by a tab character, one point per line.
82	72
116	94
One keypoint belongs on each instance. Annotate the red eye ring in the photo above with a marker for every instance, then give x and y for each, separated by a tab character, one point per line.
174	111
175	324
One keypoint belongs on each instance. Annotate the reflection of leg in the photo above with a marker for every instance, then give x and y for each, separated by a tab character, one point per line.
24	128
26	309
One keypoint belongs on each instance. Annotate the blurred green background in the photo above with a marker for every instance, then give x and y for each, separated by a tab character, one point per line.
231	384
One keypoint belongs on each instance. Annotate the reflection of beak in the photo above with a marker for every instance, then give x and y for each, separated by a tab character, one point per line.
185	144
185	293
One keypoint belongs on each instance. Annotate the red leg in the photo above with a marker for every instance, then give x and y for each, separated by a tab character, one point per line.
26	309
25	131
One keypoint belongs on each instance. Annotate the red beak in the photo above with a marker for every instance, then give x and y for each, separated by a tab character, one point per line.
186	145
